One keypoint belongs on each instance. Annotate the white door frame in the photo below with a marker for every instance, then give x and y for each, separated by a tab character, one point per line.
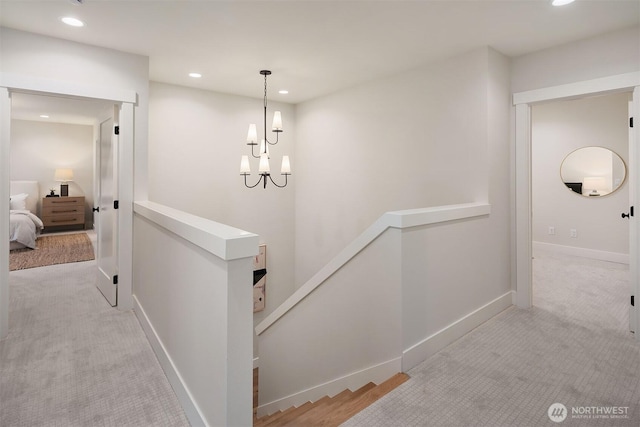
522	167
127	98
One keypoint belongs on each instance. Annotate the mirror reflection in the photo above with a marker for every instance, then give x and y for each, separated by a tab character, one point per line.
593	171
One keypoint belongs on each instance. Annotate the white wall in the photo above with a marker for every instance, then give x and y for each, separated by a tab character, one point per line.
559	128
606	55
39	148
414	140
452	269
196	140
64	61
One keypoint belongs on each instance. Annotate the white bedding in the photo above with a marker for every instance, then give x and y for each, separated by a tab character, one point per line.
24	228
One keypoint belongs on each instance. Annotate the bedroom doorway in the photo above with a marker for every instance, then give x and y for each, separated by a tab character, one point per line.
580	186
522	266
124	234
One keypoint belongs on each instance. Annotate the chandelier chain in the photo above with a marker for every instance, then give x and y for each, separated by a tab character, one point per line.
265	91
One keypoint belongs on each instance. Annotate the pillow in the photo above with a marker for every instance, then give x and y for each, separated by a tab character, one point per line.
18	202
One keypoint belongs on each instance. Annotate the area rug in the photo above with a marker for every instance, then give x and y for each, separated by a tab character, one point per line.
50	250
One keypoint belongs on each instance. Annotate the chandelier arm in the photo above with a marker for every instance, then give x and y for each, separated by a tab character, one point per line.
273	143
253	155
251	186
274	183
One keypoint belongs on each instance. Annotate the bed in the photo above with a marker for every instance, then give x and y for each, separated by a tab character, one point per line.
24	225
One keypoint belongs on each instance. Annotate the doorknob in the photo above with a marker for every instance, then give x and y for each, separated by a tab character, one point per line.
96	209
627	215
624	215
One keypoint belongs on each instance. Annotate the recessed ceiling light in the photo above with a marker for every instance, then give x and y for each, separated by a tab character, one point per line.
74	22
561	2
44	116
283	92
195	75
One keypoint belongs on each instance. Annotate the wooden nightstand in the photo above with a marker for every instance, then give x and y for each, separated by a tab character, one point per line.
62	212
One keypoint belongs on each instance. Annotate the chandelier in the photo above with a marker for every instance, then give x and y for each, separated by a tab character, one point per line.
264	170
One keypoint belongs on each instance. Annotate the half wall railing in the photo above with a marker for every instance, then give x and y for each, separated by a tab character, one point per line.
371	311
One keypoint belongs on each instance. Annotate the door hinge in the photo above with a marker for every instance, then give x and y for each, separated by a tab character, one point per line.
116	205
630	122
115	279
117	130
633	303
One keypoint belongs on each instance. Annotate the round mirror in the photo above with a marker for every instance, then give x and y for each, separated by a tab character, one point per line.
593	171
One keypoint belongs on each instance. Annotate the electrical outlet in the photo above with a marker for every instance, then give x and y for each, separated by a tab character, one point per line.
573	233
552	231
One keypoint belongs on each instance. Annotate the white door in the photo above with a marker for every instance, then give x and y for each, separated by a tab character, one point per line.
633	216
105	216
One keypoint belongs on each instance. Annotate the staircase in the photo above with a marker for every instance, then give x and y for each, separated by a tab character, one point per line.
328	411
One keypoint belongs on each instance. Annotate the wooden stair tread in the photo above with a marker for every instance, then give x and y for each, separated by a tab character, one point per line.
331	411
283	417
322	407
351	408
290	414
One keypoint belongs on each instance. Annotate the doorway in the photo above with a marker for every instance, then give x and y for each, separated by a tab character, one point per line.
127	100
579	158
522	231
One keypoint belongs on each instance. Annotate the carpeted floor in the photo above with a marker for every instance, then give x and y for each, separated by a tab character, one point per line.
72	360
53	249
571	348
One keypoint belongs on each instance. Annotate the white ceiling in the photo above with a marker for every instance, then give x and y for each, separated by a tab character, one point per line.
312	47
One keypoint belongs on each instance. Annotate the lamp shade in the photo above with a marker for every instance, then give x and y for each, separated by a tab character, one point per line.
277	121
286	166
64	175
244	165
252	135
263	167
264	147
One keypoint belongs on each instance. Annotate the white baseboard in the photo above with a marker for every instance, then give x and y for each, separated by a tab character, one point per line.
189	406
353	381
256	362
583	252
426	348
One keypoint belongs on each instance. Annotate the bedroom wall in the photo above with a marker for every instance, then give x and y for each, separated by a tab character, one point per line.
38	148
559	128
196	140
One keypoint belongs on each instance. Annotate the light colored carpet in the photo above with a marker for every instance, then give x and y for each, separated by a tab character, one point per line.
572	348
53	249
72	360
